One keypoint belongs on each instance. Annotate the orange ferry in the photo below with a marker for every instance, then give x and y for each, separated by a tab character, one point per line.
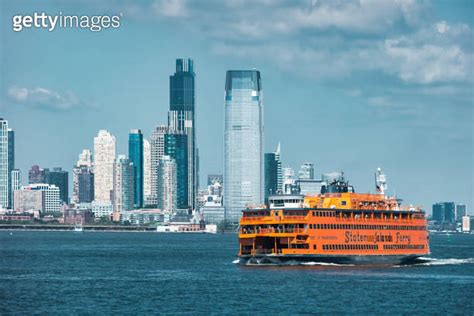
337	227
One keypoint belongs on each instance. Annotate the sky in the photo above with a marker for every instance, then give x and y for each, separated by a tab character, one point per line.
348	85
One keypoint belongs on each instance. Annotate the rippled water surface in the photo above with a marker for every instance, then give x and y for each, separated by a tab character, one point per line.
100	272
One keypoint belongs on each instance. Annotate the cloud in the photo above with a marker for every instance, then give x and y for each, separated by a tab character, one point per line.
43	98
170	8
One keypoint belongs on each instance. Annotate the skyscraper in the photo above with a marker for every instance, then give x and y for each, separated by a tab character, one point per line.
83	179
59	178
38	175
306	171
135	154
243	142
85	185
273	173
181	117
146	172
15	183
167	184
460	211
4	176
123	186
444	212
176	147
104	156
11	164
157	150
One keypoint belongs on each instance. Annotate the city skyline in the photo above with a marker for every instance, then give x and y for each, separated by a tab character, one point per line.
419	124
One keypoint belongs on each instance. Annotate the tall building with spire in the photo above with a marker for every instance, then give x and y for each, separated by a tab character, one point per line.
181	117
104	156
243	142
135	154
4	165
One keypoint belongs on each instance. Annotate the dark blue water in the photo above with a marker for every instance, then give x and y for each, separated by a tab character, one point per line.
66	272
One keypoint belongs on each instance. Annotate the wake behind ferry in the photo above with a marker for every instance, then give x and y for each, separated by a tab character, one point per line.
338	226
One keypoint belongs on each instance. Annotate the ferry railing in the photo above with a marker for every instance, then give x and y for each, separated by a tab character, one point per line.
275	231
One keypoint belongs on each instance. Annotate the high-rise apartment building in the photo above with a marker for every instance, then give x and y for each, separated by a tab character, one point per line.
181	118
15	184
157	150
4	176
38	175
167	184
306	171
135	154
104	156
123	186
460	211
146	171
176	147
83	179
60	178
11	164
243	142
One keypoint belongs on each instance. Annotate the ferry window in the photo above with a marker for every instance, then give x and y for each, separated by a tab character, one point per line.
314	246
343	203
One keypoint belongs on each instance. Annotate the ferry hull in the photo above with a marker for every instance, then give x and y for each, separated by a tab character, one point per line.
332	259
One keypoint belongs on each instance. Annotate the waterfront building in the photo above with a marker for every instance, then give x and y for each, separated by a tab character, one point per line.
42	197
15	184
135	154
306	171
176	148
181	118
460	212
213	213
59	178
11	164
123	186
4	176
243	142
38	175
157	150
466	223
104	156
102	209
167	184
444	212
146	171
83	179
143	217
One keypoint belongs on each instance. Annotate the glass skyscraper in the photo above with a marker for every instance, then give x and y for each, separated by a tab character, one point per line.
59	178
176	148
181	118
243	142
4	176
135	154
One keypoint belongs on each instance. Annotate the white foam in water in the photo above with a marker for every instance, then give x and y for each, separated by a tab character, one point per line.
311	263
447	261
236	261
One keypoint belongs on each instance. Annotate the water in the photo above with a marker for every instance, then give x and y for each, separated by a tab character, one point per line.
91	273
